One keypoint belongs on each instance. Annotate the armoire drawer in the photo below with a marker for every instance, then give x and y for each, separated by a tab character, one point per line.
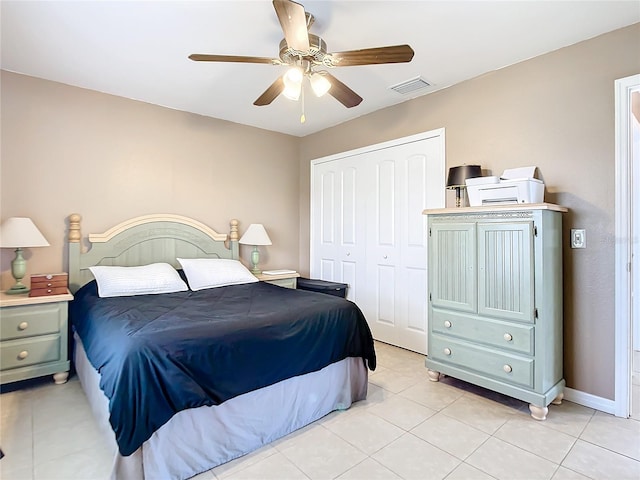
507	367
496	333
32	351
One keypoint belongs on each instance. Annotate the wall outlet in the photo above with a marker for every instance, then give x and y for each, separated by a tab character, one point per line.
578	238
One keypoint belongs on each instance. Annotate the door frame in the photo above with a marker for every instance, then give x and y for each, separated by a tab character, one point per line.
624	229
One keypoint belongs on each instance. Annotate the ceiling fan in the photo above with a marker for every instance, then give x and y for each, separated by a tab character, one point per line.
304	52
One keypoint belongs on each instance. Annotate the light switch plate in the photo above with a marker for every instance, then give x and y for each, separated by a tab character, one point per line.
578	238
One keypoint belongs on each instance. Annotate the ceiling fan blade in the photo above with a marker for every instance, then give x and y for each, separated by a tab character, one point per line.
373	56
342	93
201	57
294	24
270	93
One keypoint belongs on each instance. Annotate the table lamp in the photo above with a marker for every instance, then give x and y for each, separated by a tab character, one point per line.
458	175
19	232
255	235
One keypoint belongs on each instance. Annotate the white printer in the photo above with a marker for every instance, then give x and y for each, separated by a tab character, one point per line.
515	185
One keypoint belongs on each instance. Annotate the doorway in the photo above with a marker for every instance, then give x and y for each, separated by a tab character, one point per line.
627	249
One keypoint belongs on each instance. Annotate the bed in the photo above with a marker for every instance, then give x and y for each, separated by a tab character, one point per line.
267	361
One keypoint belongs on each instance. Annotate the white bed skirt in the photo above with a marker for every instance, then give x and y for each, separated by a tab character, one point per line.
199	439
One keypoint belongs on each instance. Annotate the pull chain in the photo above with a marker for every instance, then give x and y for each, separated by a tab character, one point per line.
302	117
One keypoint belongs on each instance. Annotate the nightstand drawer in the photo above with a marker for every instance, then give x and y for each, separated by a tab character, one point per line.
28	321
512	369
288	279
284	282
16	354
496	333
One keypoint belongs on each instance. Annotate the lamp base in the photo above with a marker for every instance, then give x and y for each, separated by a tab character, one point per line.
18	271
17	289
255	258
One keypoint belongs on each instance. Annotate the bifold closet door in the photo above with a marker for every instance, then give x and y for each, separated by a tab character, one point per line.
368	230
397	244
338	217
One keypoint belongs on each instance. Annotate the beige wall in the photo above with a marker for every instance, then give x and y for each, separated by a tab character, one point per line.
66	149
555	111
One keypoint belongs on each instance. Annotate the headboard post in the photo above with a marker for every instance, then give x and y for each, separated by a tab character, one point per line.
74	227
233	239
74	237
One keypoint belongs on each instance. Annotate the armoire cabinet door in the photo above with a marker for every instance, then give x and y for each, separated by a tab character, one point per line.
505	270
452	271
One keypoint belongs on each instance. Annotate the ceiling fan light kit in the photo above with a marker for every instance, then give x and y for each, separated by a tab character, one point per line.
303	51
319	84
292	83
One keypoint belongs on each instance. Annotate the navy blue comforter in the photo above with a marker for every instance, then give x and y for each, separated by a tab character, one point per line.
160	354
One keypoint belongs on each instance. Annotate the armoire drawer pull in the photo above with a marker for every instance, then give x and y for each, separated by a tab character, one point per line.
23	326
507	368
447	351
348	254
23	354
508	337
447	324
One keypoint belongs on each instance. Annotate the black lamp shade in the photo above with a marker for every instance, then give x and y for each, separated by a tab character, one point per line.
458	175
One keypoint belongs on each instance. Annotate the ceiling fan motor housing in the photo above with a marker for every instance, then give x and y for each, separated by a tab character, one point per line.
317	53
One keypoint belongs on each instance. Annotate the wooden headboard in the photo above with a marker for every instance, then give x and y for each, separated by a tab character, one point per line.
144	240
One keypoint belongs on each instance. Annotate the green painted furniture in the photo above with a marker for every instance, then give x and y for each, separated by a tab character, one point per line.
495	300
287	280
33	337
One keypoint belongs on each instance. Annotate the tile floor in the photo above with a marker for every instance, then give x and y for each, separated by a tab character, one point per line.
408	428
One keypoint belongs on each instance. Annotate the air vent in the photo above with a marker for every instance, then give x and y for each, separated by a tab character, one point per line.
410	85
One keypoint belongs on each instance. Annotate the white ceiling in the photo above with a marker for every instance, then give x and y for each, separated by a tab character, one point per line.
139	49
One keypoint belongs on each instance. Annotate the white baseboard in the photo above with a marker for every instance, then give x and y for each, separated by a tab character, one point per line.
588	400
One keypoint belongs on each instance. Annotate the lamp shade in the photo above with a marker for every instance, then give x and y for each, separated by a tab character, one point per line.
458	175
319	84
292	83
255	235
18	232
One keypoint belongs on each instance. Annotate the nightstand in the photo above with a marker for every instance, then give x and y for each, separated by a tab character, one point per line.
287	280
33	337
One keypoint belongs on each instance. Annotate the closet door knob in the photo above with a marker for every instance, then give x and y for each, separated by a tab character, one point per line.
507	368
447	351
447	324
23	354
23	326
348	254
384	256
508	337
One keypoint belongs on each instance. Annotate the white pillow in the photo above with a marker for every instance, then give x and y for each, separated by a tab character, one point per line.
214	272
145	280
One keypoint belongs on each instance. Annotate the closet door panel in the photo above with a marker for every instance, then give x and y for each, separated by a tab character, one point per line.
351	223
386	301
382	249
327	208
348	203
325	246
327	268
385	200
416	285
412	165
338	231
